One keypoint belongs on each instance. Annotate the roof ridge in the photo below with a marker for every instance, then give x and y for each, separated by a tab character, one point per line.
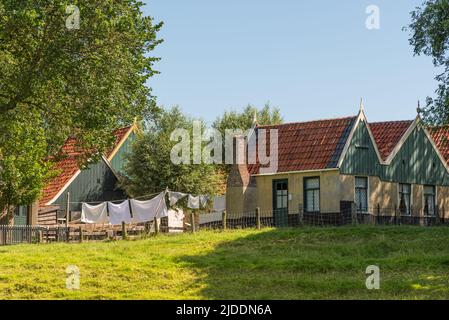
303	122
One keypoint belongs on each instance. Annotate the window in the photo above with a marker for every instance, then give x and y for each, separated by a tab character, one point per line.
404	198
429	200
361	194
281	194
312	194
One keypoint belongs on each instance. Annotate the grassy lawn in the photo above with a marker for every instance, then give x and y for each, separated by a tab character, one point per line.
307	263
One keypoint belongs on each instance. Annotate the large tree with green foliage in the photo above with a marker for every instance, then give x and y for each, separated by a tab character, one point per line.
23	167
149	168
244	119
77	77
430	36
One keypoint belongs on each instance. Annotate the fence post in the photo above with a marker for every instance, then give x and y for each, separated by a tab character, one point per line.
396	214
156	226
300	215
68	234
39	236
67	210
353	213
192	221
258	218
81	234
378	214
124	233
224	218
437	215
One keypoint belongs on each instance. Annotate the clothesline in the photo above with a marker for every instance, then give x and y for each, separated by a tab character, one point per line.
133	210
97	202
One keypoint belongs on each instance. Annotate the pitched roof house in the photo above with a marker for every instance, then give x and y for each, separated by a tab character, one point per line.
97	182
324	165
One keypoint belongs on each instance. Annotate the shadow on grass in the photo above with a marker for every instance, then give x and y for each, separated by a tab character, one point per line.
326	263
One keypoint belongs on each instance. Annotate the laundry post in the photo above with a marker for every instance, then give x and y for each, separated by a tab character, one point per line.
156	226
192	220
124	233
224	218
67	210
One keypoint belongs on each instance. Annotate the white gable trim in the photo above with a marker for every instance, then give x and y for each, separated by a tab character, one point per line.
61	191
402	141
361	117
121	142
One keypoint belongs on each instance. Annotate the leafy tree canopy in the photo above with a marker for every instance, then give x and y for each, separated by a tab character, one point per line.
430	36
149	168
59	79
244	119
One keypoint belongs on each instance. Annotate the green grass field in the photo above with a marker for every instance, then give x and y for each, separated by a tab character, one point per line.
307	263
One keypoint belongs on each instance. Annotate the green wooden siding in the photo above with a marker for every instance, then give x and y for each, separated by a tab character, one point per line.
118	161
96	183
21	216
416	162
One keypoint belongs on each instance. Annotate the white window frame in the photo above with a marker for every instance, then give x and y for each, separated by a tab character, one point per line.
411	197
367	194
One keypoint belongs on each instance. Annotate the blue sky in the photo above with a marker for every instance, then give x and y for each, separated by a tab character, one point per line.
312	59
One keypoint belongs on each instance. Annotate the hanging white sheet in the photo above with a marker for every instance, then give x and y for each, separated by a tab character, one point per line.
203	201
219	203
175	220
210	217
94	214
174	197
194	202
119	213
144	211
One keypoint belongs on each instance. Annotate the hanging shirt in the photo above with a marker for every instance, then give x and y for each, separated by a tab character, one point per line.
94	214
144	211
194	202
119	213
203	201
219	203
174	197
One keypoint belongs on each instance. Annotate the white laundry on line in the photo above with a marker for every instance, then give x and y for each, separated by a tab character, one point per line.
219	203
210	217
194	202
94	214
144	211
174	197
119	213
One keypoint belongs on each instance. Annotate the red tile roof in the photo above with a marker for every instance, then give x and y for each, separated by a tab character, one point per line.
387	135
68	166
309	145
440	136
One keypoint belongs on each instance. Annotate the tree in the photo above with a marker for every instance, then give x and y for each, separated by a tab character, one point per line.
68	68
23	168
149	168
79	66
430	36
244	119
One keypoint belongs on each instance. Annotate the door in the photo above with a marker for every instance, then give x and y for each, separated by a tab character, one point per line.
21	216
280	203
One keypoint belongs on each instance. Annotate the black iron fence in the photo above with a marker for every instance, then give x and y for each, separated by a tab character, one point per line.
348	215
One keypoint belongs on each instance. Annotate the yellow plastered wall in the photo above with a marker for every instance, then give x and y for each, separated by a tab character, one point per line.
382	193
443	201
329	190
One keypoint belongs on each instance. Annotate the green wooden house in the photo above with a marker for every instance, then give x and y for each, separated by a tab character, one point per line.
387	167
97	182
